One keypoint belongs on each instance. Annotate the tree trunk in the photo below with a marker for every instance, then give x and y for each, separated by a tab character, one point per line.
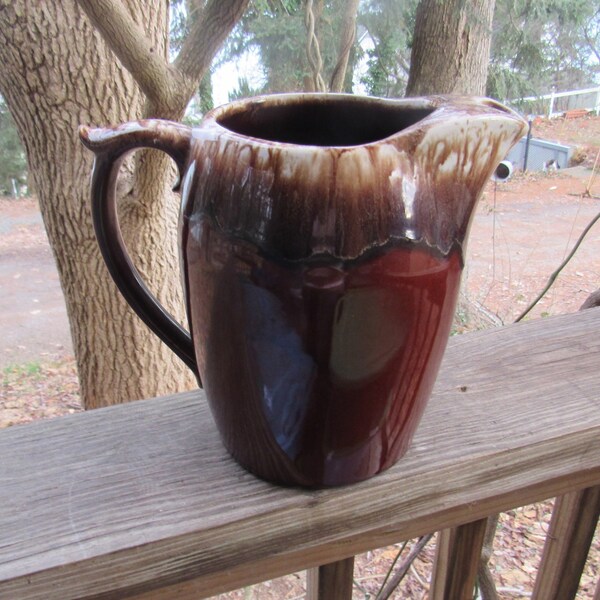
57	74
347	37
451	47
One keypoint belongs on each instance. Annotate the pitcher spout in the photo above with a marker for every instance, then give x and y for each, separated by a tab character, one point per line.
456	150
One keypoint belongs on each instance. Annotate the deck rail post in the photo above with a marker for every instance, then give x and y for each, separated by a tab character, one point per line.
456	561
572	527
332	581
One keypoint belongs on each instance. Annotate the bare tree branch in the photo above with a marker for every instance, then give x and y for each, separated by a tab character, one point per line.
346	40
562	265
399	575
313	50
130	44
207	34
404	64
588	38
168	87
590	43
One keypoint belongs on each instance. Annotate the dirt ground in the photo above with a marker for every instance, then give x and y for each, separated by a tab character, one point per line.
33	320
521	232
582	134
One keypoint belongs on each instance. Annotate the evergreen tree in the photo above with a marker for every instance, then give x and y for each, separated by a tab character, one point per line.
541	45
276	31
386	30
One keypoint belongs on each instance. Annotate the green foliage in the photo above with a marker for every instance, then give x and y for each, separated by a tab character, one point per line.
205	94
15	372
180	14
30	368
244	90
13	162
540	45
537	45
276	31
388	26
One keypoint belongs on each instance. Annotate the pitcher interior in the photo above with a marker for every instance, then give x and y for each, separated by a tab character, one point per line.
321	120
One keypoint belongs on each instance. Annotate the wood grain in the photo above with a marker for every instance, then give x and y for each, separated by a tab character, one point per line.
574	521
124	501
456	561
332	581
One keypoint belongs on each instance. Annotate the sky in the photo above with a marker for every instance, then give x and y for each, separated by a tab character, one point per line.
226	77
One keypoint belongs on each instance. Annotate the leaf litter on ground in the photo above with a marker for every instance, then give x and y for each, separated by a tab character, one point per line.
33	391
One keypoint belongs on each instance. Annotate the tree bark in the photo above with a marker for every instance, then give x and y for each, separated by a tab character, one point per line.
58	73
347	36
451	47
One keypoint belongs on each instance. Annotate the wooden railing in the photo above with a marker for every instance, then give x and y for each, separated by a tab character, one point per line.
141	500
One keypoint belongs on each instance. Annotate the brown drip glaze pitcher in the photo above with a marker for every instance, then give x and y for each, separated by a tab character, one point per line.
322	241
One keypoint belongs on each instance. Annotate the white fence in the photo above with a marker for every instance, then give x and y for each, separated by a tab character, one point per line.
557	103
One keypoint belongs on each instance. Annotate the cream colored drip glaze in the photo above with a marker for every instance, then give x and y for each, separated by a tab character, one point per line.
296	201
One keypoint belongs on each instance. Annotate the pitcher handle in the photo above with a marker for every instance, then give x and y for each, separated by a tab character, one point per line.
110	147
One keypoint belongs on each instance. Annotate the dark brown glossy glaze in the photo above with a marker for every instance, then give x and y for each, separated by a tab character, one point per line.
317	371
322	266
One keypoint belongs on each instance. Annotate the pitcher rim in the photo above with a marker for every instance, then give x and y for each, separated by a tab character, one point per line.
439	107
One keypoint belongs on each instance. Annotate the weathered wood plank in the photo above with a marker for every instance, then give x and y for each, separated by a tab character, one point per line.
456	561
122	501
332	581
574	520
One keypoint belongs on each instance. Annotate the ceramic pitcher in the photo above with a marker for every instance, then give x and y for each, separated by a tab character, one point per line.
322	240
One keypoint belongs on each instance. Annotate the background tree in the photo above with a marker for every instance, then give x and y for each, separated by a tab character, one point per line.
451	47
276	32
105	62
542	45
535	44
387	30
182	15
